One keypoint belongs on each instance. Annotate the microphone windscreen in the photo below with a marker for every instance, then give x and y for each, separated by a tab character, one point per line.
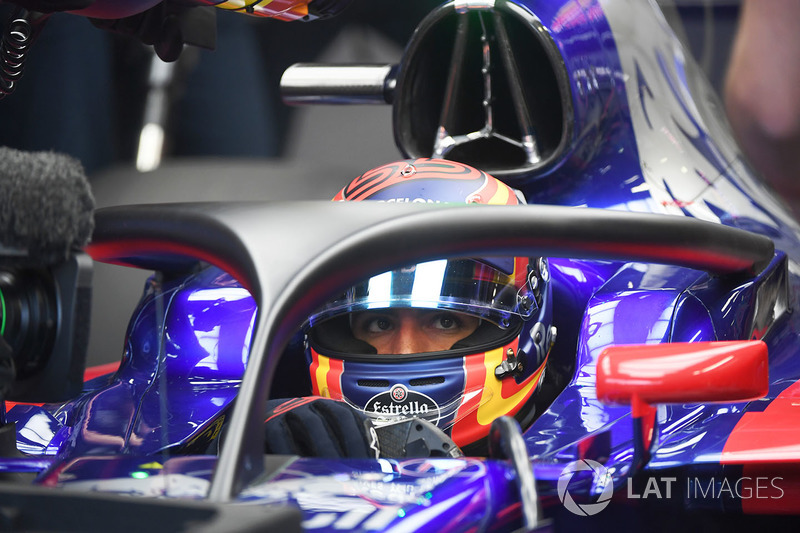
46	207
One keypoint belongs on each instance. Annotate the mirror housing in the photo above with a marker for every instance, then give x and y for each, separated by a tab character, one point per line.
702	372
678	372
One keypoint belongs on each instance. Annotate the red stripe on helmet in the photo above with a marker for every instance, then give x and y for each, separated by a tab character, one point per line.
334	378
466	426
384	176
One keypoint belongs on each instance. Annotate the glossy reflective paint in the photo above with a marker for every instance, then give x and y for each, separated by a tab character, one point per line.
601	168
185	354
352	495
406	495
648	136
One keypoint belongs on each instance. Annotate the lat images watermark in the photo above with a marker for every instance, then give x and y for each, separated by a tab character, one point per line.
709	488
596	478
599	476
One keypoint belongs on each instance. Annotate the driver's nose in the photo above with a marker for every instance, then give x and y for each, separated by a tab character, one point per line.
408	339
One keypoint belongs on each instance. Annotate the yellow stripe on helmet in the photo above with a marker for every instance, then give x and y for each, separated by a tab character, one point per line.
500	197
492	404
321	376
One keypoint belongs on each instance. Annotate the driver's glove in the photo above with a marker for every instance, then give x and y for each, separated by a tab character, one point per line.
319	427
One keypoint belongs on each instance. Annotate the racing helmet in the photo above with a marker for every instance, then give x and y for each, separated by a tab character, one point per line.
494	370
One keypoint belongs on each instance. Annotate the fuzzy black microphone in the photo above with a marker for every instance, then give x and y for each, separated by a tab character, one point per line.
46	207
46	217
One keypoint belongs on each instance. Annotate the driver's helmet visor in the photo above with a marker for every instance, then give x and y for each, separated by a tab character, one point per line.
491	289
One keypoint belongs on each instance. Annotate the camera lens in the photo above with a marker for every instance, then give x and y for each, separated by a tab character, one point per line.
28	317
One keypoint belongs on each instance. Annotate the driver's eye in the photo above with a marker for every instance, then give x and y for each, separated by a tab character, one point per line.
380	324
373	324
446	321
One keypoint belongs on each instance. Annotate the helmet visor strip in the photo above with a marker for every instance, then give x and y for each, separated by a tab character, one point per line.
463	285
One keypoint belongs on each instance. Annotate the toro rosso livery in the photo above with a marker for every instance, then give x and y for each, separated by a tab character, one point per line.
567	179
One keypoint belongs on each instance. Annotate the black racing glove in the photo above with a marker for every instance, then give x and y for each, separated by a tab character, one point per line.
319	427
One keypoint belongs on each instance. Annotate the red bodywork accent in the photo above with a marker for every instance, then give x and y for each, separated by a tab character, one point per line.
112	251
100	370
769	436
767	445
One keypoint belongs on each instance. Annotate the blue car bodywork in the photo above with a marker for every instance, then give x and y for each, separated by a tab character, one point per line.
637	131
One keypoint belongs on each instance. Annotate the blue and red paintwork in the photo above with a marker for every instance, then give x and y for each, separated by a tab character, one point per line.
647	136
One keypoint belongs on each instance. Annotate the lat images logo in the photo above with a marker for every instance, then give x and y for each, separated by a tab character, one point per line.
599	477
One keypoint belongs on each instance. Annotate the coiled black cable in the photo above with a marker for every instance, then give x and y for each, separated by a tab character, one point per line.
20	32
13	48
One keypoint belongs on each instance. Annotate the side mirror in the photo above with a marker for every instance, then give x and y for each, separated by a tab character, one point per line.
704	372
